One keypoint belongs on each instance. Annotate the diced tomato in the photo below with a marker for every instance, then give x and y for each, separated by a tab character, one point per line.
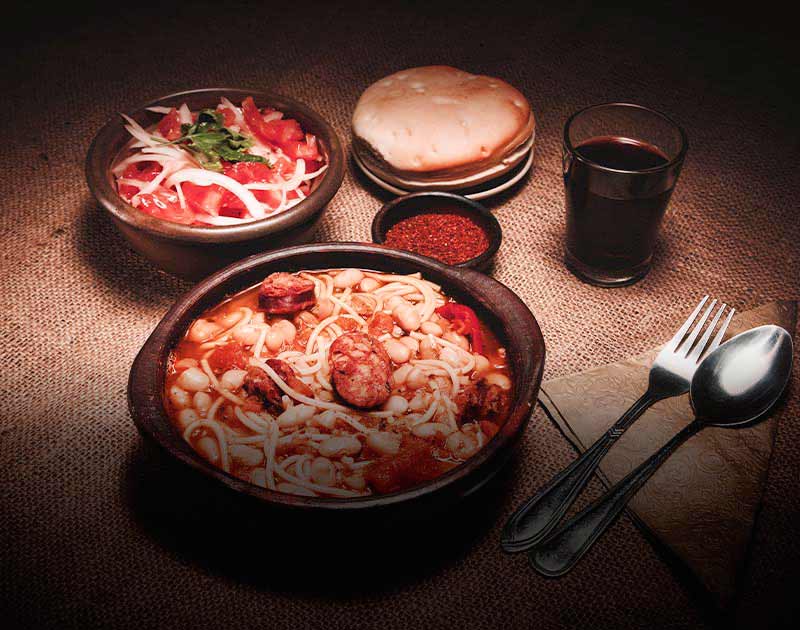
228	357
228	115
466	321
163	203
306	150
170	125
280	132
248	173
142	171
207	199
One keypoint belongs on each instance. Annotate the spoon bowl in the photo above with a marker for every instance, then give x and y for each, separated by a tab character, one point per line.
739	381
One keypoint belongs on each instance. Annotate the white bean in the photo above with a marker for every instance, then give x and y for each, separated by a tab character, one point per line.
208	448
396	404
395	301
427	349
247	455
481	364
400	375
416	378
274	339
398	352
499	379
295	416
323	471
324	308
368	285
432	430
431	328
347	278
202	403
287	329
180	397
356	482
186	363
410	343
461	445
419	402
230	318
246	335
459	340
406	316
202	330
384	442
340	445
186	417
193	380
233	379
326	419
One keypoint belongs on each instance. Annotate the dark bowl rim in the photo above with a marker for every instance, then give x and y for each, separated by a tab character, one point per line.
97	158
489	223
145	388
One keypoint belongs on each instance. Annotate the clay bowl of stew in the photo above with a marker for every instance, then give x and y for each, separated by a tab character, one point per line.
497	307
192	251
445	214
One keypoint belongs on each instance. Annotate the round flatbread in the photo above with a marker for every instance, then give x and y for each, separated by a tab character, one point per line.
439	122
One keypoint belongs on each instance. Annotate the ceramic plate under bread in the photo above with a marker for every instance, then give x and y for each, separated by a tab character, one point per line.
480	191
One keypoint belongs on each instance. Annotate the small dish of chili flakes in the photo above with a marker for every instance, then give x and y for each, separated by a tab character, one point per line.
445	226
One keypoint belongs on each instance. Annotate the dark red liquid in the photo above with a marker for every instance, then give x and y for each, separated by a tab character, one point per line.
612	221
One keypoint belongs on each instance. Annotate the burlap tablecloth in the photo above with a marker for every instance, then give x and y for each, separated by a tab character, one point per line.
92	530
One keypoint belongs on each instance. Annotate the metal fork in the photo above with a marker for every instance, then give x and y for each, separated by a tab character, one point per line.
670	375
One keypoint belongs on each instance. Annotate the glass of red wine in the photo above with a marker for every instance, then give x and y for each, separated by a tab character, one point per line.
621	162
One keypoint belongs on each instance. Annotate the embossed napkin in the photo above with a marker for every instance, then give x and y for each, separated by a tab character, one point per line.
702	503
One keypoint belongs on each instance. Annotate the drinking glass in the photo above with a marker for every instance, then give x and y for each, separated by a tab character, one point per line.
621	162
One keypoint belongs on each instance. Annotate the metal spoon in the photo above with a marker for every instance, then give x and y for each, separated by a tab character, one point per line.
734	385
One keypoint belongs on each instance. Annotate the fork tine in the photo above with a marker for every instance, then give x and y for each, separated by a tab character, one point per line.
672	345
686	346
694	355
718	339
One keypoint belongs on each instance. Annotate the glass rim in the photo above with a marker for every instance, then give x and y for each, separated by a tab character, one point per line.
679	157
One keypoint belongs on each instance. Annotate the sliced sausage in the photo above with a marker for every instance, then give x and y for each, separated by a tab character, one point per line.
282	293
484	401
228	357
258	383
360	369
380	324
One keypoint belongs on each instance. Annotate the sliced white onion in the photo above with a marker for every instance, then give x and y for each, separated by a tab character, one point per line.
181	197
136	130
169	169
276	115
139	157
159	109
220	220
236	111
185	114
202	177
290	184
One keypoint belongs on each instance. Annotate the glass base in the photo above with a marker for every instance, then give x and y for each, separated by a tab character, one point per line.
605	277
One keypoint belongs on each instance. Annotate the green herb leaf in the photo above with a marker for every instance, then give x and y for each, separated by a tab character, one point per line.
210	142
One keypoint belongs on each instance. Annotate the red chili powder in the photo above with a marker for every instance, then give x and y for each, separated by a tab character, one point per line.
451	238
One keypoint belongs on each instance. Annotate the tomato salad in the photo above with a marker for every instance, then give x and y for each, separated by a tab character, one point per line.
216	167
